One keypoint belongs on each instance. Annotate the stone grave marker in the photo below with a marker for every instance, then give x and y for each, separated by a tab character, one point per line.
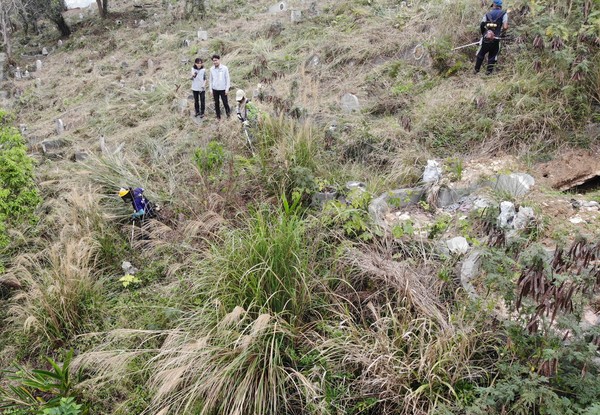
350	103
279	7
296	16
60	126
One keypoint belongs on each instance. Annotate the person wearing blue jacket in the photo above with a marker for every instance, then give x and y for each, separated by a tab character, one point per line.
143	208
493	26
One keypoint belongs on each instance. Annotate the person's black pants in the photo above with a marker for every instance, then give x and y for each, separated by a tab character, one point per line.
199	106
216	95
492	49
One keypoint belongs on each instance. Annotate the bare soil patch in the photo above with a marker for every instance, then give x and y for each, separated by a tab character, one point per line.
569	169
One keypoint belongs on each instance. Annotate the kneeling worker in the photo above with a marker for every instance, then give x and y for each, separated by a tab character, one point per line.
246	110
143	208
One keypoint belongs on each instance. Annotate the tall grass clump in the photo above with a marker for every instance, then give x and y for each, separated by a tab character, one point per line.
288	155
234	353
241	366
266	266
61	282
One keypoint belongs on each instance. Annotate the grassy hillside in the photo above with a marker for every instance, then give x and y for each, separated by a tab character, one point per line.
250	298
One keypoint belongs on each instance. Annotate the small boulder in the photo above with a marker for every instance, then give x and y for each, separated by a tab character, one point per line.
432	172
128	268
515	184
51	146
458	245
80	156
469	270
507	215
523	218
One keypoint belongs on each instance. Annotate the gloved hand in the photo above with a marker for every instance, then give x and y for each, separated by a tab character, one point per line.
138	214
246	123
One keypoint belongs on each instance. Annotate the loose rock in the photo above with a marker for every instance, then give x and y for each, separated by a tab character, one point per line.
507	215
458	245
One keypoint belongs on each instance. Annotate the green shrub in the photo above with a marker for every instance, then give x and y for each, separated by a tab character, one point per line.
210	158
18	195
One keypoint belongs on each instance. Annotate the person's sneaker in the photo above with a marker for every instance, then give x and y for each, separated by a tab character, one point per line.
197	114
201	115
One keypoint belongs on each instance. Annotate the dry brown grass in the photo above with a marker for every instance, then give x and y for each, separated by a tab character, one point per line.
409	347
235	367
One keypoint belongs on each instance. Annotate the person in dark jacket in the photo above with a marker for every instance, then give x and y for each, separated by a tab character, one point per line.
143	208
493	26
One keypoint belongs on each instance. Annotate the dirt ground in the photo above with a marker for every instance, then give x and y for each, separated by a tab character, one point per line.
561	214
569	169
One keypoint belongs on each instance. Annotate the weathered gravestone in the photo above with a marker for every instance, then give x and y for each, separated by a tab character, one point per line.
296	16
3	59
60	126
350	103
279	7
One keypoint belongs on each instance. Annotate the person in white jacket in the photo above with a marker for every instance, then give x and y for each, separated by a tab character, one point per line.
199	87
219	84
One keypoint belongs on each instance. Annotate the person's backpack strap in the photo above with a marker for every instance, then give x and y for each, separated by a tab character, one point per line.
489	18
501	17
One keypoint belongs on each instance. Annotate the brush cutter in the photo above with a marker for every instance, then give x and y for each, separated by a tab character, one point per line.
479	42
466	46
132	232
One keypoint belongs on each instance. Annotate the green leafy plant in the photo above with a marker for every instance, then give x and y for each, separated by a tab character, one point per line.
354	220
66	406
405	228
18	194
129	279
35	390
